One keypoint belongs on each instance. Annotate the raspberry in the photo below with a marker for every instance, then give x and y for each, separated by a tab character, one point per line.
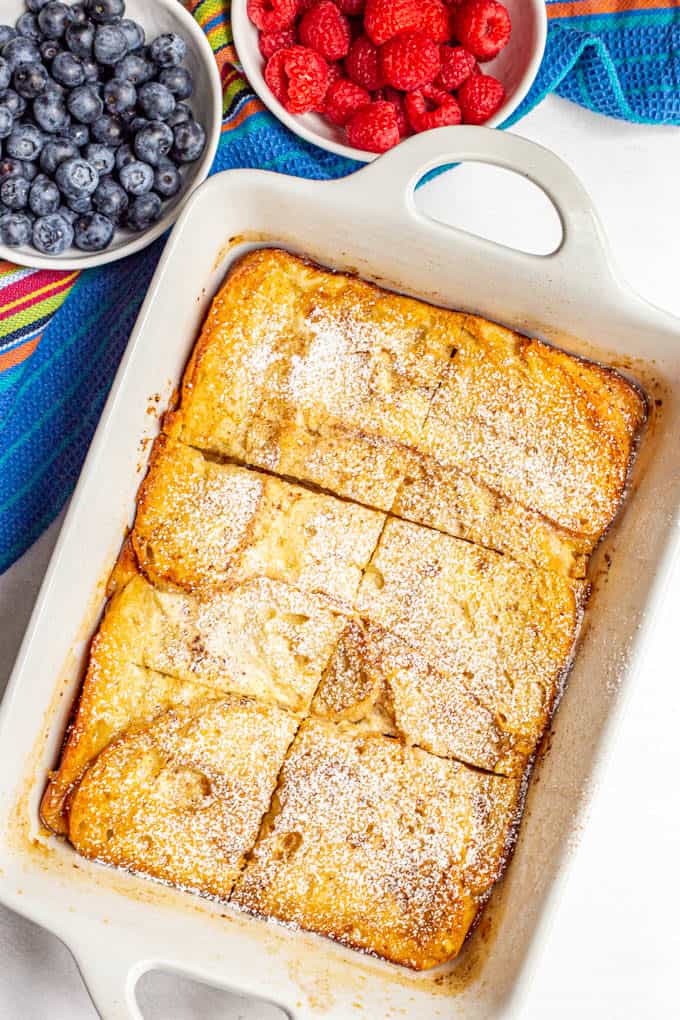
326	30
480	97
270	42
272	15
374	127
409	61
386	18
483	27
298	77
431	108
351	7
361	64
343	99
335	73
397	100
457	66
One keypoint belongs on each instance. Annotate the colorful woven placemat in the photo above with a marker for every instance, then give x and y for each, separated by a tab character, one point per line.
58	357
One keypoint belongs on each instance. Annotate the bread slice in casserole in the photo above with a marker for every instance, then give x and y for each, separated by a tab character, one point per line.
203	526
157	650
503	632
182	799
443	418
378	845
551	433
293	357
376	679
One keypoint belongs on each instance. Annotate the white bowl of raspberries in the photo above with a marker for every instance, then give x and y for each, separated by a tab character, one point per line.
357	76
110	116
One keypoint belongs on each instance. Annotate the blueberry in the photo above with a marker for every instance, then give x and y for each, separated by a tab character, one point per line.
54	89
51	114
91	69
178	80
124	155
119	96
30	80
6	121
15	103
54	19
69	214
134	33
110	44
55	152
44	198
52	234
109	130
137	123
85	104
67	69
167	180
102	157
14	193
29	170
105	11
78	14
15	229
111	200
153	143
6	33
25	142
27	25
179	115
168	50
36	5
80	205
134	68
189	142
93	232
136	178
79	134
49	49
80	39
10	167
5	73
77	178
20	51
156	101
144	211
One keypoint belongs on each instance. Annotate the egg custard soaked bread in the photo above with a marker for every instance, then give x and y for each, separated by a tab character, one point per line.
346	610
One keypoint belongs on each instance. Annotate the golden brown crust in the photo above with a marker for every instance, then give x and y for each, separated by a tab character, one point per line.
182	799
378	845
369	518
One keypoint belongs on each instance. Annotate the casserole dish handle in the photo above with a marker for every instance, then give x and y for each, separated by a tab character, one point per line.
110	977
390	182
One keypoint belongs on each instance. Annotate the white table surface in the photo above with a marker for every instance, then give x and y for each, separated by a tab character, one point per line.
614	949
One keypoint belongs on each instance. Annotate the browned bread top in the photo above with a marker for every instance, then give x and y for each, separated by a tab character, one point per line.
378	845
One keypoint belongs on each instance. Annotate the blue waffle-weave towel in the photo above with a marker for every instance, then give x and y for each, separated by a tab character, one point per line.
617	57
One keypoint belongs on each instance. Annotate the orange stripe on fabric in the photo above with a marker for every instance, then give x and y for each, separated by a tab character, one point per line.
252	106
13	358
572	8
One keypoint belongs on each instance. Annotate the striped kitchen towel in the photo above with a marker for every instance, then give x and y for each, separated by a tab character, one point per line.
618	57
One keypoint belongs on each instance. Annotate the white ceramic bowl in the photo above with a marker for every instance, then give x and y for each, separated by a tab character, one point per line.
516	66
156	16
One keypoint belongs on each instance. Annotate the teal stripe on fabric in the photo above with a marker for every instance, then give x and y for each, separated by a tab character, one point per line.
112	315
620	22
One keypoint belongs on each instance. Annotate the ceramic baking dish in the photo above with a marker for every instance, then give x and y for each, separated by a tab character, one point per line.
118	925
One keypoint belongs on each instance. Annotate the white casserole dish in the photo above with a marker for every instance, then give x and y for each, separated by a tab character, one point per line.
118	925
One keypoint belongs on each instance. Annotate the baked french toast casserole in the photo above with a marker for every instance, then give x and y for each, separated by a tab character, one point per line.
346	609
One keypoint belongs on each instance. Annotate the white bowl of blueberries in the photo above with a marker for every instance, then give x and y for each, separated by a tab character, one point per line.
110	116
